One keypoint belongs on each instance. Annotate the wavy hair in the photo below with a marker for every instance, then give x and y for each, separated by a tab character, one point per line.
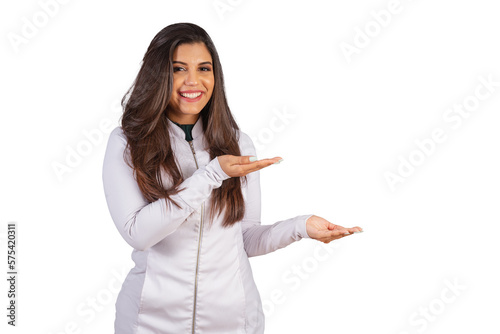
145	124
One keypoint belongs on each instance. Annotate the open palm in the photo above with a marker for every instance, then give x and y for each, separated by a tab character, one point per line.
322	230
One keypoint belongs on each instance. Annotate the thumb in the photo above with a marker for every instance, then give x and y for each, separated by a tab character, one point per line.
246	159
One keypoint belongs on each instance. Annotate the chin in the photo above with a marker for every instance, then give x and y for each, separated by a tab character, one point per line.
192	112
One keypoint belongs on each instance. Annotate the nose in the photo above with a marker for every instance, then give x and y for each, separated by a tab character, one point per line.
191	78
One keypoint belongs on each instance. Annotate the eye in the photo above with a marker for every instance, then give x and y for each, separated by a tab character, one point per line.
178	68
205	69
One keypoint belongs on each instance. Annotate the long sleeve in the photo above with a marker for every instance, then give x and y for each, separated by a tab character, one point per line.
262	239
143	224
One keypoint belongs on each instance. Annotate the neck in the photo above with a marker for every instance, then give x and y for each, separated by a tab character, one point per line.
188	119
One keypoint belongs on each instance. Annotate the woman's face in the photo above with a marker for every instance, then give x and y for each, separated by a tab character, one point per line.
193	82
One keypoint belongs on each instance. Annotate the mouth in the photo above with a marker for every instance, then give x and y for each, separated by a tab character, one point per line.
191	96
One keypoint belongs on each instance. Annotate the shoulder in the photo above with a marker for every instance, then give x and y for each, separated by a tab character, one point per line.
117	146
117	141
246	144
117	135
117	131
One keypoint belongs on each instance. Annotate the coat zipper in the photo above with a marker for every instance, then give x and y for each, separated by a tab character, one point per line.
199	247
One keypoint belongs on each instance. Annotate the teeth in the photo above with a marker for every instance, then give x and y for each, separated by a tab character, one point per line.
191	95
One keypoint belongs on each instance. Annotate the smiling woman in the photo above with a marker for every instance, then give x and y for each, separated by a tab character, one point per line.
193	82
182	185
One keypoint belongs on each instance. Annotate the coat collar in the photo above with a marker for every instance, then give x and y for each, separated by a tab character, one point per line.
196	132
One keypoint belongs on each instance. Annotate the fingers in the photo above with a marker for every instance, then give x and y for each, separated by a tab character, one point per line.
259	164
355	229
324	231
253	161
351	230
339	233
245	159
245	164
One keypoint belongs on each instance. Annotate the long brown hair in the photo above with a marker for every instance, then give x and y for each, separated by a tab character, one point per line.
145	124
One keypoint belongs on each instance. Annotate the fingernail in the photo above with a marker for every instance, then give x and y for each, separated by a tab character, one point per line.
358	231
276	163
252	159
346	232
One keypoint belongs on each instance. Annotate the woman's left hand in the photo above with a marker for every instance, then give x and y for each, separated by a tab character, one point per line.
322	230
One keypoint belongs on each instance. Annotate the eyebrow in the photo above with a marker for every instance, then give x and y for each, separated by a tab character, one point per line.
203	63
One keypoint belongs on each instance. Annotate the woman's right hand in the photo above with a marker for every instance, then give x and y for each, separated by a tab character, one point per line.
234	165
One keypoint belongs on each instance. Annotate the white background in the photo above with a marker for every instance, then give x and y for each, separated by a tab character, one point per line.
348	124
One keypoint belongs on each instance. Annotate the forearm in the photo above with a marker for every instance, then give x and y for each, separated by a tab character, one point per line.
154	221
143	224
262	239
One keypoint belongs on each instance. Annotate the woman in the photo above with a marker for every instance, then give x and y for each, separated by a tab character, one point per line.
182	186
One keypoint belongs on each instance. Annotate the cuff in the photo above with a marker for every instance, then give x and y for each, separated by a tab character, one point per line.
217	169
302	225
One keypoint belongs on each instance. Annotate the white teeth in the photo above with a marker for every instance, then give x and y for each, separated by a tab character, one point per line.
191	95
